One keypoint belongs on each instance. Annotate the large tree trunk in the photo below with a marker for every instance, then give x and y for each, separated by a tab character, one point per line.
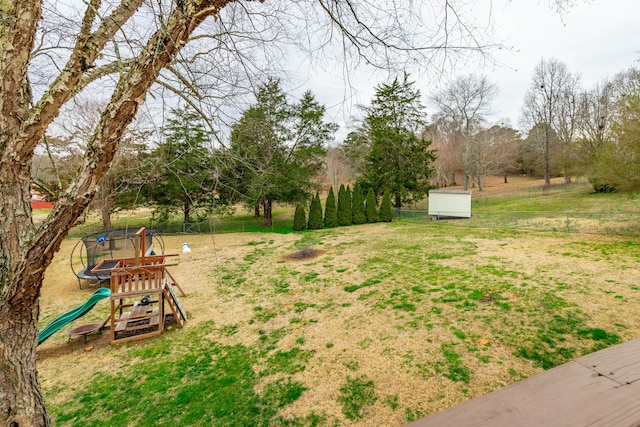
106	206
267	207
26	252
21	401
186	213
21	274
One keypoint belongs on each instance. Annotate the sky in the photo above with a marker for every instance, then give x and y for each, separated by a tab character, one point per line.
596	39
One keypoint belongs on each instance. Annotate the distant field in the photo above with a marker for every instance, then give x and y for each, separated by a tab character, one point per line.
385	324
523	202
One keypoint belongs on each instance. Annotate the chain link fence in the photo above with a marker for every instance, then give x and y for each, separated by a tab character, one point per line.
617	223
223	226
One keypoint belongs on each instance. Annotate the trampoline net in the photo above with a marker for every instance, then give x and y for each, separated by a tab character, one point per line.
115	244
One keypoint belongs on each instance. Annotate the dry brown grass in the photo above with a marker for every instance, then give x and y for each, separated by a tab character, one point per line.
350	333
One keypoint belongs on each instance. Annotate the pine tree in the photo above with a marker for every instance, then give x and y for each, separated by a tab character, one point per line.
370	209
357	206
344	207
330	213
386	211
390	147
315	214
299	218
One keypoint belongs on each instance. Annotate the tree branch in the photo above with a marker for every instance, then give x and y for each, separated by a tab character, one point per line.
130	92
87	48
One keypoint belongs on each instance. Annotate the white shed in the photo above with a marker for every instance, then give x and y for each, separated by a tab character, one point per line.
450	203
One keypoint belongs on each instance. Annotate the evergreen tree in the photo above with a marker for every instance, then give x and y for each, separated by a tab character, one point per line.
330	213
299	218
276	148
386	211
340	204
344	206
181	169
357	206
315	214
388	149
370	209
348	204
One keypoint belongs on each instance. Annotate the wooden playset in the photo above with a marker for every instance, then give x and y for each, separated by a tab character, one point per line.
141	289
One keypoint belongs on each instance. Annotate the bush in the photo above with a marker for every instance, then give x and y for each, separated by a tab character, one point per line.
299	218
315	214
370	210
330	213
386	211
357	206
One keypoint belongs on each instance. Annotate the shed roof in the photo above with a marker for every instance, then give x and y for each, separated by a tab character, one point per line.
450	191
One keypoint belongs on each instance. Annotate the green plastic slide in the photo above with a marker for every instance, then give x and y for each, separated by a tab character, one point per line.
68	317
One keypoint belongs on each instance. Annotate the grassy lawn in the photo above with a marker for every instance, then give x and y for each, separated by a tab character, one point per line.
385	324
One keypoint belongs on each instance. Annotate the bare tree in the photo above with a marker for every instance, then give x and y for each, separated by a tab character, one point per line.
596	114
51	51
125	172
465	104
337	167
551	101
493	154
567	125
447	143
609	144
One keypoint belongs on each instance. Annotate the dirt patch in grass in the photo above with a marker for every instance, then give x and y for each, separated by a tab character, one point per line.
306	253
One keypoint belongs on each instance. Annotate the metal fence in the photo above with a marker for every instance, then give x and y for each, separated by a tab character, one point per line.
222	226
618	223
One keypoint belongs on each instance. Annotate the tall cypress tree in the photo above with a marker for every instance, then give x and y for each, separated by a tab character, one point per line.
370	209
386	211
344	206
315	214
299	218
348	204
330	213
357	206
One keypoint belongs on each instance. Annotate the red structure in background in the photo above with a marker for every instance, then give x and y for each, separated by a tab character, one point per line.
39	204
38	201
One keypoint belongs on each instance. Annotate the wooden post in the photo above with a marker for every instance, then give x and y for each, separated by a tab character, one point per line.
141	249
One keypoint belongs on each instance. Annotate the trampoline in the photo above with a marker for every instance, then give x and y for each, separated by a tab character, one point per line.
119	243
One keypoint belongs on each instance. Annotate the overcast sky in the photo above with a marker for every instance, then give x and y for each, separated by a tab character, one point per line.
596	39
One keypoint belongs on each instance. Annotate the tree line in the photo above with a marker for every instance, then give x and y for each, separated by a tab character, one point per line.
276	153
279	151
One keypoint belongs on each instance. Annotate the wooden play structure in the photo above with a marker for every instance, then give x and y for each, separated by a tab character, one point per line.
141	290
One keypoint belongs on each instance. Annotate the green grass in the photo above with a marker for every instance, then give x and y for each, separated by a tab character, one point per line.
356	395
440	302
455	368
203	384
366	283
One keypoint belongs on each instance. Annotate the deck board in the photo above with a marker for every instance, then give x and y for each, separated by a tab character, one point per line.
620	363
600	389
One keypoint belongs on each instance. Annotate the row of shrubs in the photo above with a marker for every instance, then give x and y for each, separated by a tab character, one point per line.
351	208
